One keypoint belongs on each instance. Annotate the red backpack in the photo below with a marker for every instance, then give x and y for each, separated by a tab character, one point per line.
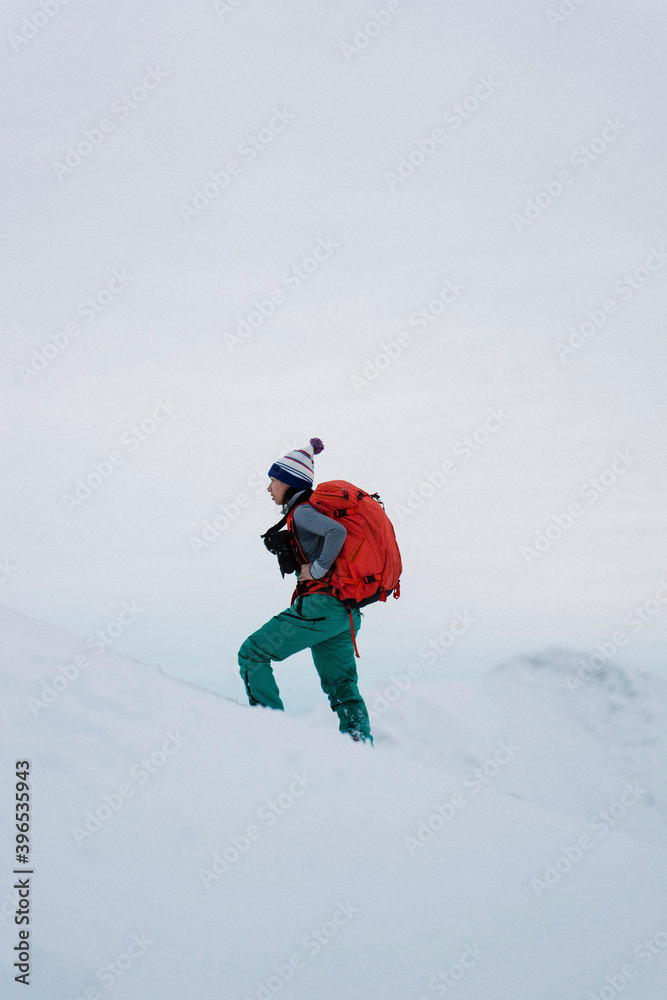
368	567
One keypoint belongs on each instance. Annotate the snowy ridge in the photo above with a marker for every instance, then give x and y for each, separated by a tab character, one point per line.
583	731
185	845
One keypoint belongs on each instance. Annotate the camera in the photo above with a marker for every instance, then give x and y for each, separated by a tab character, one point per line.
280	544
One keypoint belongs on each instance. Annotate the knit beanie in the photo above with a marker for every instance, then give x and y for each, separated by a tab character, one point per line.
297	469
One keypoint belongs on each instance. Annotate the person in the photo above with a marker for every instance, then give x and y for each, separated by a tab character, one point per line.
317	621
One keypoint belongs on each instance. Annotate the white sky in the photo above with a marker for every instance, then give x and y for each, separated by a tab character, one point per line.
346	119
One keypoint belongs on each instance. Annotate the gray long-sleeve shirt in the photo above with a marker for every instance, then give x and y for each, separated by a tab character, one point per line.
320	537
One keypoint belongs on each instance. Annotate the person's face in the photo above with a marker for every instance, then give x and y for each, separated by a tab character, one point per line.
277	490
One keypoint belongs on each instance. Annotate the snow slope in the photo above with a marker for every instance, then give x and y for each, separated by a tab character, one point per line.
241	853
582	730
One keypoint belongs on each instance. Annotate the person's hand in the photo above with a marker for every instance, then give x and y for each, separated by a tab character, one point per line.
304	573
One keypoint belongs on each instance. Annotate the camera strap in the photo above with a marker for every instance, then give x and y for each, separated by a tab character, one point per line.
307	494
276	527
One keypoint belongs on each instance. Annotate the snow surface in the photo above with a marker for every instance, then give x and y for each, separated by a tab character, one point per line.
136	911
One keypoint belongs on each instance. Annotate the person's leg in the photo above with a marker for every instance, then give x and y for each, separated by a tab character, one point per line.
335	662
285	634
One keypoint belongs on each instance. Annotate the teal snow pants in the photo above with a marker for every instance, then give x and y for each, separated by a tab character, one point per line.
323	625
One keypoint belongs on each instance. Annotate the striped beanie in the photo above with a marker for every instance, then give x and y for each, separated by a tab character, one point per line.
297	469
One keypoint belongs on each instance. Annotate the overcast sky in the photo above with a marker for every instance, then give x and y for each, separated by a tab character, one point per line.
431	234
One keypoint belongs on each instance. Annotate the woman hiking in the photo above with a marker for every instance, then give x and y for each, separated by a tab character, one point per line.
318	621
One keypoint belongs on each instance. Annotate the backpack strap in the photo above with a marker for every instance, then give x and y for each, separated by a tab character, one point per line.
358	581
306	586
312	586
289	518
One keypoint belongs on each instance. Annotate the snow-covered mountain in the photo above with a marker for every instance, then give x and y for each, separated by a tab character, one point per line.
505	839
580	730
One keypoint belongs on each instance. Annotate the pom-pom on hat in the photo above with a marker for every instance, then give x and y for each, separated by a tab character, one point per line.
297	468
